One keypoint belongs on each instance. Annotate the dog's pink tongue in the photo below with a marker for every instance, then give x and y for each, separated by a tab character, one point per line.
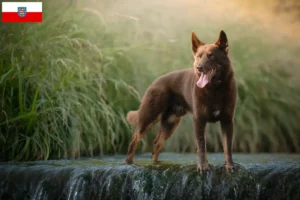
203	80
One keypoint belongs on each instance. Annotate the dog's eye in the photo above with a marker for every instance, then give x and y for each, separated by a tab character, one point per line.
210	56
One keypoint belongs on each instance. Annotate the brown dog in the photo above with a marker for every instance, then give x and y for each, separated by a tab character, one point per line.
208	91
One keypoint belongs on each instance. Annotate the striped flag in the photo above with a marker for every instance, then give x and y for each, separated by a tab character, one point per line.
22	12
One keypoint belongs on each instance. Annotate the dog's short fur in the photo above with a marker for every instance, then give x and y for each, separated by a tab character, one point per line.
208	91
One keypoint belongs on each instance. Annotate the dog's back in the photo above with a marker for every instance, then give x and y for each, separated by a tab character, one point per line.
174	87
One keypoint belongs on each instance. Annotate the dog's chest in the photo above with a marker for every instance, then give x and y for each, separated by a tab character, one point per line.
216	113
212	104
213	113
214	108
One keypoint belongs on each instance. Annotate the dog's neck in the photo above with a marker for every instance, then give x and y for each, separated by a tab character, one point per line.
224	80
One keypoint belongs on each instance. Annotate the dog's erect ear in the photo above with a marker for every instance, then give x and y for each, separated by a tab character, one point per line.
195	42
222	42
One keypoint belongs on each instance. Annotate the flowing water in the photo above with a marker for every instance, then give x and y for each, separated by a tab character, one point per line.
259	176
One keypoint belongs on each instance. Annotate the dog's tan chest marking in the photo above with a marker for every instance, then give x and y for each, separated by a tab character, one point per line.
216	113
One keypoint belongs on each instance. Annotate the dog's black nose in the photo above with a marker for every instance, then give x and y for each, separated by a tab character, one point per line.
200	68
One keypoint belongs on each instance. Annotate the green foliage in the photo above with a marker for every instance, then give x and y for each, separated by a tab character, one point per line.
66	84
61	92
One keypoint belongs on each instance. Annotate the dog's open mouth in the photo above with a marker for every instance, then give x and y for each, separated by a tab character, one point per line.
205	78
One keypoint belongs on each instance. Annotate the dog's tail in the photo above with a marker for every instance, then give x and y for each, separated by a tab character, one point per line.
132	117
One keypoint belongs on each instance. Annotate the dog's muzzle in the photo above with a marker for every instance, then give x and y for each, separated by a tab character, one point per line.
200	68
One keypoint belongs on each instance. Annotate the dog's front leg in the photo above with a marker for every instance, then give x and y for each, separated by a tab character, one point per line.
201	144
227	132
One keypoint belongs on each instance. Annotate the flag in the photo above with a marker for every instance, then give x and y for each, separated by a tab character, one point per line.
22	12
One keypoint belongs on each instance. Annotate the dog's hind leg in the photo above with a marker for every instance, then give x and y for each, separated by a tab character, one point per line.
168	124
153	105
136	138
138	134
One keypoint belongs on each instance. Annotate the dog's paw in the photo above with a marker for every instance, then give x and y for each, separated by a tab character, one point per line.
231	167
128	162
156	161
202	167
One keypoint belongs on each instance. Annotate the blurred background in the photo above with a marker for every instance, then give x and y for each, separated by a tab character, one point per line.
67	83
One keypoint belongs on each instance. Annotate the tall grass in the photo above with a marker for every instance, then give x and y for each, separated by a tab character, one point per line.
67	83
60	88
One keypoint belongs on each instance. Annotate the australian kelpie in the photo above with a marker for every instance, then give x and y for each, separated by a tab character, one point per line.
207	91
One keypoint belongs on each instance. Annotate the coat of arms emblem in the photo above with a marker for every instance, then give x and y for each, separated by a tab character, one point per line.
22	11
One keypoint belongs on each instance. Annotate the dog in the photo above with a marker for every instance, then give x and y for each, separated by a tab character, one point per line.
207	91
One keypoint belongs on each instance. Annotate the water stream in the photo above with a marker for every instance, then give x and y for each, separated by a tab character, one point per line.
259	176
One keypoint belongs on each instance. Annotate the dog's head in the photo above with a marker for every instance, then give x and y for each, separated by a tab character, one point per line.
211	63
